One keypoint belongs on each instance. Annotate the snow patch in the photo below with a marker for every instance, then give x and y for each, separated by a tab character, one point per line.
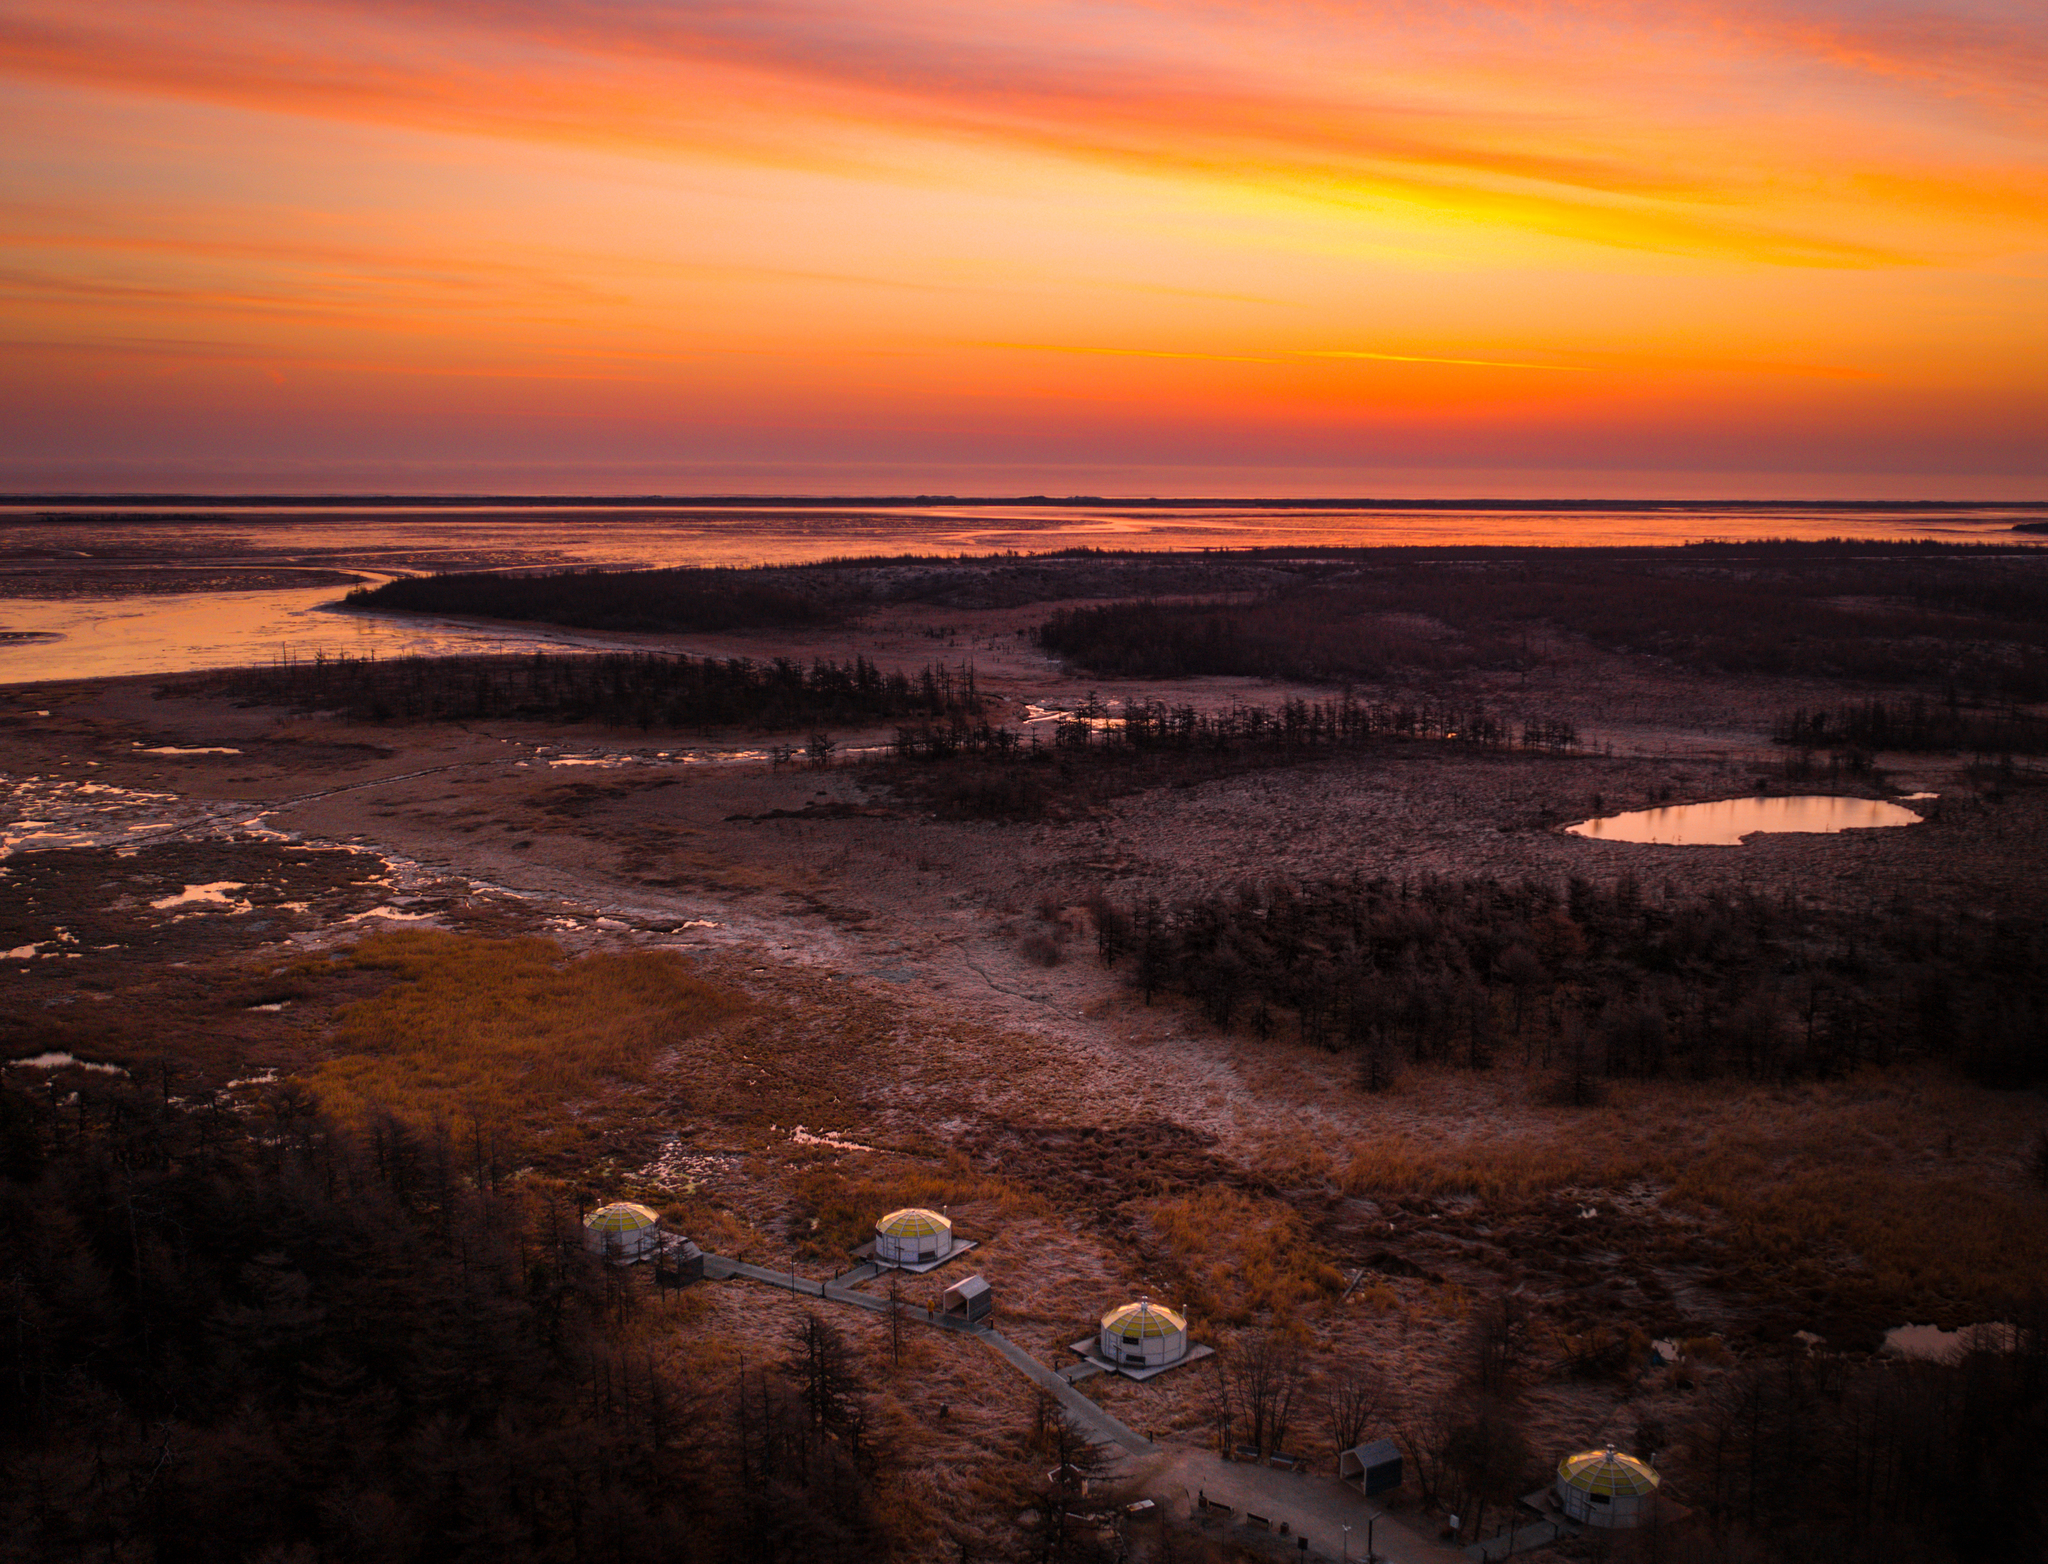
61	1061
214	895
832	1138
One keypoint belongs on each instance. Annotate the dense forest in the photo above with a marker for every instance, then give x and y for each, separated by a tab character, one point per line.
621	689
1596	982
1957	619
261	1338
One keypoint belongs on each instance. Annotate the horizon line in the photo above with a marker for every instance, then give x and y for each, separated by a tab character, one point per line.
531	500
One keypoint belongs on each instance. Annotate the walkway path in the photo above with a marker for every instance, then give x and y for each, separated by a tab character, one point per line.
1097	1425
1094	1422
1318	1508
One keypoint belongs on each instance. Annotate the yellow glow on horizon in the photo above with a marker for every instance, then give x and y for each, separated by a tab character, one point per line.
1707	236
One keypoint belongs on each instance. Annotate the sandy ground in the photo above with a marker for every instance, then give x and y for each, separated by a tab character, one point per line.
896	1010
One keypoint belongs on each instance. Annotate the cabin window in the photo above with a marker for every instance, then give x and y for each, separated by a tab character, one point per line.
1599	1498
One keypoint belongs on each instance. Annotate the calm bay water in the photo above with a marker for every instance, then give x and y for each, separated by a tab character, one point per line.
91	580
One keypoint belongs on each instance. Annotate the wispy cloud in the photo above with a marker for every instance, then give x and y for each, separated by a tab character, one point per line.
1541	117
1423	358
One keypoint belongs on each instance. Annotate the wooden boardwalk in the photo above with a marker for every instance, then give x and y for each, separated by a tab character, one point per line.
1096	1424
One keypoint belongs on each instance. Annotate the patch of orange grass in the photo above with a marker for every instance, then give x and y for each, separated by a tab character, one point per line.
505	1029
1242	1254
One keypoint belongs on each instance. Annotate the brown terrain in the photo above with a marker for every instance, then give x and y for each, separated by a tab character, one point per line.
918	1015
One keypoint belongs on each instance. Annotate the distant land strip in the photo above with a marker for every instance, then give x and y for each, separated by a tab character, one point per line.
914	501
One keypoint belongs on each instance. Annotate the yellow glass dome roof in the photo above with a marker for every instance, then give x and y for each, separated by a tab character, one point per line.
913	1222
1143	1318
1608	1472
622	1216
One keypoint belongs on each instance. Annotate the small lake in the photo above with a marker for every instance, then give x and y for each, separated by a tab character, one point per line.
1725	822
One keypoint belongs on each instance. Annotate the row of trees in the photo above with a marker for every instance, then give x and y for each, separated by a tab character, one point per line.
684	600
1594	980
621	689
1917	725
1296	725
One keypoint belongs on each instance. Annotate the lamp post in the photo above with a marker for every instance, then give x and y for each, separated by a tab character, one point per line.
1347	1545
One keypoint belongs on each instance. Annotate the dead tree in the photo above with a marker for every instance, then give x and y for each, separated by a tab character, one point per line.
1352	1399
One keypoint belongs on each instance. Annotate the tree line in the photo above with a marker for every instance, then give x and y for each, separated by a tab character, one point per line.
985	771
644	690
684	600
1594	981
1916	725
1296	724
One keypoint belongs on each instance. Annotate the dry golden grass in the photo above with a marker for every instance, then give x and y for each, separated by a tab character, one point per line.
505	1030
1241	1254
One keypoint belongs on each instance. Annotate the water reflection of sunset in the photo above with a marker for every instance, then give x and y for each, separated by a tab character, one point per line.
1716	247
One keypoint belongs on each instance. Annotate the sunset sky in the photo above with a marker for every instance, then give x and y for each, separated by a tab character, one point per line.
1688	247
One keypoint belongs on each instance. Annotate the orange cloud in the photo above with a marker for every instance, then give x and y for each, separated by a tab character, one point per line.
1455	122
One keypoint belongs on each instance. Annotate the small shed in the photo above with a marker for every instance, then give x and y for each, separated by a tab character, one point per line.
677	1263
912	1235
622	1232
970	1299
1377	1464
1606	1488
1143	1335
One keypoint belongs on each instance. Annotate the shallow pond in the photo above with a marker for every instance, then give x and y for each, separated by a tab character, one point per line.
1726	821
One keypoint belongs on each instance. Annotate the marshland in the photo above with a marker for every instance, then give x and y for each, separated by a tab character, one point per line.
1205	927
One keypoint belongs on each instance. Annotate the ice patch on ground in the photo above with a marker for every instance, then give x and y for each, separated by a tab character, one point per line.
174	749
36	951
39	813
1934	1345
213	895
63	1061
677	1166
832	1138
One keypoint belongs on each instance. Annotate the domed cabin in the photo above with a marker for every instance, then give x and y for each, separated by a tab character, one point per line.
1606	1488
1143	1335
912	1236
622	1232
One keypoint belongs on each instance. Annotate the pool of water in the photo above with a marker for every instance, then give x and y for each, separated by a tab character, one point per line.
1725	822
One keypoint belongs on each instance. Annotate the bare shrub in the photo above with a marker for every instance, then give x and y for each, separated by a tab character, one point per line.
1042	949
1352	1400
